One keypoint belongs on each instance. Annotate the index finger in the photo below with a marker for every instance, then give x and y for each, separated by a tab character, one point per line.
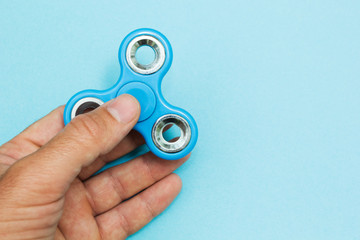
35	136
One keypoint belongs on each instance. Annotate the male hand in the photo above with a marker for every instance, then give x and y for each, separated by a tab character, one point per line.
46	188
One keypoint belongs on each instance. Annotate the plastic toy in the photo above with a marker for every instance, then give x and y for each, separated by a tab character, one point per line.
144	83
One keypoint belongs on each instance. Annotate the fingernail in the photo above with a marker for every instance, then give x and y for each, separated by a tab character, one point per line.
124	108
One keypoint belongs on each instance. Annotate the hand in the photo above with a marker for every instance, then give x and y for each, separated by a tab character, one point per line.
46	188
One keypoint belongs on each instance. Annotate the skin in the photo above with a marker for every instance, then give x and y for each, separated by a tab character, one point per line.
46	186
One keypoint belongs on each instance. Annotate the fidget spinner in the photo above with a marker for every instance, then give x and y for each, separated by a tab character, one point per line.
144	83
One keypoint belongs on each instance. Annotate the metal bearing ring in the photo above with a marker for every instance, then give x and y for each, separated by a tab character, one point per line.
85	104
171	147
155	44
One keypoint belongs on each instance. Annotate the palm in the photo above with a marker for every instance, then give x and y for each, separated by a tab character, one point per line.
100	207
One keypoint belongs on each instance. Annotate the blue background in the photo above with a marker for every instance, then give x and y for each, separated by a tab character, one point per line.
274	87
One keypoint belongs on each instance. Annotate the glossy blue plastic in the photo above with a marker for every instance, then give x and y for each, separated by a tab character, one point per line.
147	90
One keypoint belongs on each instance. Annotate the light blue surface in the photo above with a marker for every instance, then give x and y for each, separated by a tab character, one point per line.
274	87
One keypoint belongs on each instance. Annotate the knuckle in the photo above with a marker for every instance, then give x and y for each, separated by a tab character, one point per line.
148	169
117	185
125	224
150	212
88	125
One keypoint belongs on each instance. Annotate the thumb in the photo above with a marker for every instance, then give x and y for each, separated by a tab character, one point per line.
53	167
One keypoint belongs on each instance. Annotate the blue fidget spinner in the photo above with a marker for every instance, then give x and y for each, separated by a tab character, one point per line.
144	83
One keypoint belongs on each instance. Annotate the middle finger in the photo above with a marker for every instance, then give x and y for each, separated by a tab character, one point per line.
119	183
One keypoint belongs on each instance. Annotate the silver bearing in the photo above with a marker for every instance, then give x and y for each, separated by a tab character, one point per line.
159	140
155	44
84	105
